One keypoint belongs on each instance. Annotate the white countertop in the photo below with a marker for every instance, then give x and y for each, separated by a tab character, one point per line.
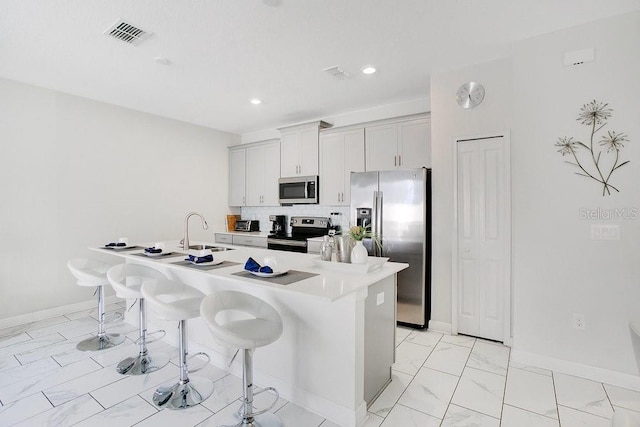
328	284
246	233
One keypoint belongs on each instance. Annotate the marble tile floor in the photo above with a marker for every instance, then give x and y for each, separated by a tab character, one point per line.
438	380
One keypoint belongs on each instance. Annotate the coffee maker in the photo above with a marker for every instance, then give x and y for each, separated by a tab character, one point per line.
278	224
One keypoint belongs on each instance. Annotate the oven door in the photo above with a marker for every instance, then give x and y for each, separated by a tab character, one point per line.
287	245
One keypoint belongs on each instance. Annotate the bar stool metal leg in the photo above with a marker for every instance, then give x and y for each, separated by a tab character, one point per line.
261	418
102	341
187	391
142	363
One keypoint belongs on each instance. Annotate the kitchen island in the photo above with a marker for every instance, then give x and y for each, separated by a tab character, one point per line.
338	343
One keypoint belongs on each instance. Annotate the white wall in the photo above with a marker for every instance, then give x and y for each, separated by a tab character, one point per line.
76	173
449	121
557	269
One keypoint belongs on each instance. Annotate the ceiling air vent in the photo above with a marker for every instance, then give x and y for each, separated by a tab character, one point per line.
337	72
128	33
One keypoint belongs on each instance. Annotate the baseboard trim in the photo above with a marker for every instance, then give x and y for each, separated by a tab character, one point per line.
439	326
577	369
52	312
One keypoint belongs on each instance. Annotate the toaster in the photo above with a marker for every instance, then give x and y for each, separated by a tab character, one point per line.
247	225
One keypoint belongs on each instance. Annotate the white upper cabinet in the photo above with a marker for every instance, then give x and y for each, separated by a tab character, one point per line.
253	174
403	144
237	176
299	149
263	171
340	154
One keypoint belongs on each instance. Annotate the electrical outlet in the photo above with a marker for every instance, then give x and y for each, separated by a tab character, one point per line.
579	321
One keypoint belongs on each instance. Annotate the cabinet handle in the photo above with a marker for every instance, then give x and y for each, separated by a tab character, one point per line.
395	160
399	160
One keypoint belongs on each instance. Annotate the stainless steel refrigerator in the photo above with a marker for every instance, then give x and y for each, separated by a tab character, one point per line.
396	205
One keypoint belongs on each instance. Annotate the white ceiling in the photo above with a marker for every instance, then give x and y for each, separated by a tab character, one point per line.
225	52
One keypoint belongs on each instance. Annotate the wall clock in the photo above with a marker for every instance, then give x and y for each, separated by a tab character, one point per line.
470	95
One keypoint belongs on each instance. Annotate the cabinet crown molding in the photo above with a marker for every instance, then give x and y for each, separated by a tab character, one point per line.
253	144
318	123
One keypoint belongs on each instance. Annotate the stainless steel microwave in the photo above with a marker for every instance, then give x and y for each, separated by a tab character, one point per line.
298	190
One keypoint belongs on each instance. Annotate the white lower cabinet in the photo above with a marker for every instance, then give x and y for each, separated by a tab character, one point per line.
341	152
242	239
256	241
224	238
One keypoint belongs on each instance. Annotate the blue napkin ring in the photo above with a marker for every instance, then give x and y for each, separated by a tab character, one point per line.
153	250
201	259
253	265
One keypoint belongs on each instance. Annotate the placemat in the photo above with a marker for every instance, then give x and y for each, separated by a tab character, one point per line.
121	250
163	255
205	267
292	276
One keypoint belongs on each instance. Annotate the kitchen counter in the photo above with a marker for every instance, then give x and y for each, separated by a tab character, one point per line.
246	233
338	343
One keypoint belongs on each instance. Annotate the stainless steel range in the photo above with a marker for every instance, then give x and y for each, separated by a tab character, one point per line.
302	228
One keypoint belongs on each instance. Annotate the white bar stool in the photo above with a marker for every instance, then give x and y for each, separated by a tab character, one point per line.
126	280
175	301
94	274
263	328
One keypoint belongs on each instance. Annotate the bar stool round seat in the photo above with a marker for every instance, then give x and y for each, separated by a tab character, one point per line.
92	273
237	331
175	301
126	280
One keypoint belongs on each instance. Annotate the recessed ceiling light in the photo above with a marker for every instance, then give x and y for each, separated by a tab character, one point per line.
255	101
369	69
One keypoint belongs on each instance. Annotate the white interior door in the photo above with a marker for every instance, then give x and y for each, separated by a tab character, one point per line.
483	238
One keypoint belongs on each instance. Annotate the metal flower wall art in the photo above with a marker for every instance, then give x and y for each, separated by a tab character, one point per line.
599	157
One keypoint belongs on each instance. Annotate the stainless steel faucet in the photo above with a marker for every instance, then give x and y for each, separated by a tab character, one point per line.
185	240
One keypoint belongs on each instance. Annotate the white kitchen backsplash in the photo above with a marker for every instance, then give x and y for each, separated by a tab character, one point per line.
262	213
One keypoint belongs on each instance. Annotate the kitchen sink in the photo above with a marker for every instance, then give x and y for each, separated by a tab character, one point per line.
212	248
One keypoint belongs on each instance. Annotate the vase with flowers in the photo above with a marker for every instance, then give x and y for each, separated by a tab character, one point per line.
359	254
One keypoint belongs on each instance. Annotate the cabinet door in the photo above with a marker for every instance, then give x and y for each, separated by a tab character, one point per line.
332	172
237	178
415	144
271	163
255	175
353	160
381	147
250	240
309	151
290	154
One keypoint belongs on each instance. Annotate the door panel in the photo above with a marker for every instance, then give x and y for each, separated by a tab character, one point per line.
381	147
331	179
482	237
403	237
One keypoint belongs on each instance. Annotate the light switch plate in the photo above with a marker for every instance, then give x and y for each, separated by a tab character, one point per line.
380	298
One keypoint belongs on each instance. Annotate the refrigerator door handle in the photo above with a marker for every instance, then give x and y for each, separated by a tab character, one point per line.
377	250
